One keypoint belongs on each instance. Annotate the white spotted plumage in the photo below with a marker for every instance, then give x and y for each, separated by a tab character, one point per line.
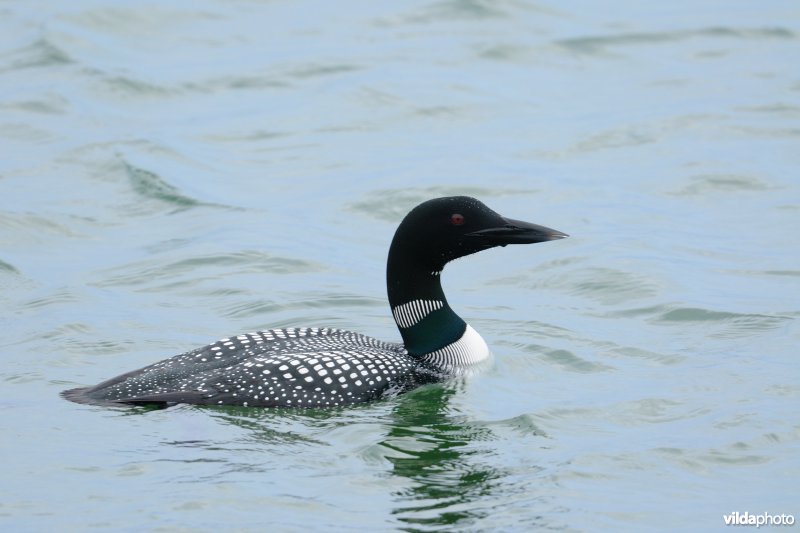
305	367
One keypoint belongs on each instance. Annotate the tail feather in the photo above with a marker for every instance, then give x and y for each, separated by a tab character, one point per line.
81	395
78	396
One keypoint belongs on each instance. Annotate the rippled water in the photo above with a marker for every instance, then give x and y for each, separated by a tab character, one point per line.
174	173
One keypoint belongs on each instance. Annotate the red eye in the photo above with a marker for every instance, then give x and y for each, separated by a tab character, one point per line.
456	219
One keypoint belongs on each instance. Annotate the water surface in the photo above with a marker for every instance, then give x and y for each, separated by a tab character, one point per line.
176	173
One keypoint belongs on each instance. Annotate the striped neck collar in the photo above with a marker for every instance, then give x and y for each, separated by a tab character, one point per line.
420	310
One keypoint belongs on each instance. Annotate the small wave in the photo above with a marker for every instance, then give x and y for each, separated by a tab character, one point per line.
146	272
608	286
40	53
313	71
46	104
264	306
567	360
130	86
655	411
600	44
8	268
58	296
633	135
740	453
730	324
723	324
780	109
721	183
151	185
523	424
648	355
78	340
247	82
789	273
619	138
449	10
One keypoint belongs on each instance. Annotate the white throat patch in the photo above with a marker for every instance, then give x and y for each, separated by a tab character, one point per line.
461	355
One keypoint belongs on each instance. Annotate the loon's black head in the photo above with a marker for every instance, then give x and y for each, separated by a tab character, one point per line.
440	230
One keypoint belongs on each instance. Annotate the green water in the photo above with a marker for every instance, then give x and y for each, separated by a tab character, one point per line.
176	173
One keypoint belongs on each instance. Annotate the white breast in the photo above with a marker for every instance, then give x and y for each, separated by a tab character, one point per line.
467	352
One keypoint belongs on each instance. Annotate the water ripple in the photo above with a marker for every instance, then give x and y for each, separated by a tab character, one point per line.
523	424
62	295
634	352
129	86
600	44
8	268
733	324
730	324
567	359
608	286
41	53
325	300
720	183
143	273
151	185
655	411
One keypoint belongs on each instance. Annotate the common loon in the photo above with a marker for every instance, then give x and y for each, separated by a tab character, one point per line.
326	367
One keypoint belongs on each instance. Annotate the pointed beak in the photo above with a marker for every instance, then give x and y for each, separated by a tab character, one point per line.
516	232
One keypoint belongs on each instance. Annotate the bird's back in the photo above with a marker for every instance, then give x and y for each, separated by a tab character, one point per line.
298	367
